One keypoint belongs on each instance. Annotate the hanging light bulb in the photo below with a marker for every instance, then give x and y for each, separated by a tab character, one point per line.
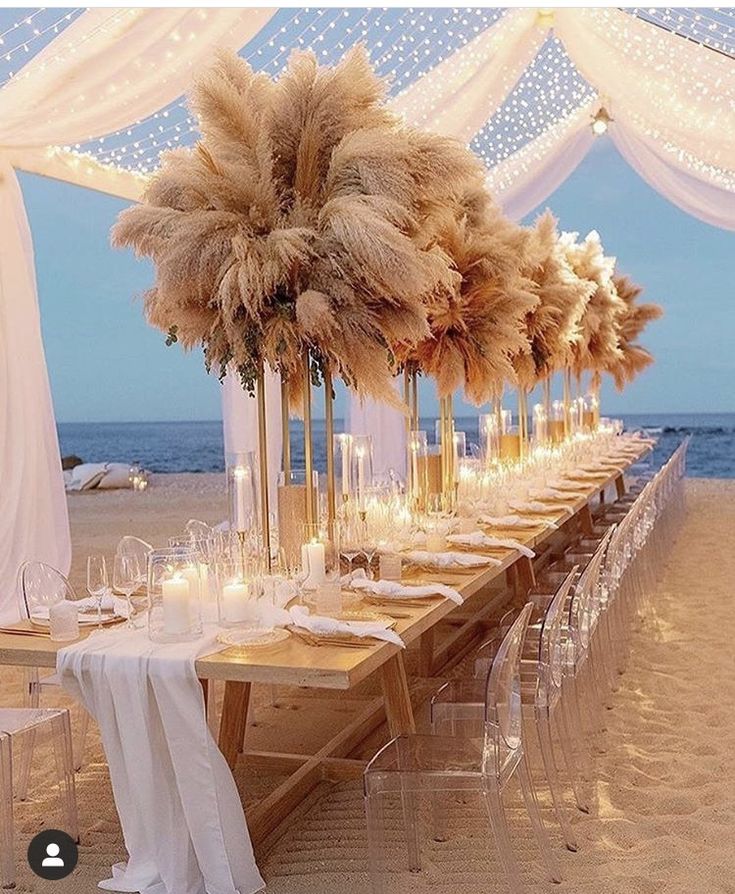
600	121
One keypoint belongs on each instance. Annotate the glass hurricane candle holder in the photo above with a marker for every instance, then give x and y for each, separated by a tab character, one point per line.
174	600
489	439
239	586
591	413
557	423
320	565
418	473
292	514
540	425
362	468
242	493
343	447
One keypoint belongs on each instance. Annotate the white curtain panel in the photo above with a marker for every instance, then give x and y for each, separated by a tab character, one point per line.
107	70
33	518
530	175
387	427
667	175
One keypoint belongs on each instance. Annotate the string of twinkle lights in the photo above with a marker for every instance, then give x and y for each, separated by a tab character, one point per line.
404	44
419	29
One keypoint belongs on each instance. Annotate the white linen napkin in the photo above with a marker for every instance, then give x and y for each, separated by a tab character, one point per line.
479	539
325	626
550	493
180	812
391	589
567	485
587	474
516	521
534	506
448	559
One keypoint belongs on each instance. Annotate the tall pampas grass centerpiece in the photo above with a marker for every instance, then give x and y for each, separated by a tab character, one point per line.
598	347
634	357
291	234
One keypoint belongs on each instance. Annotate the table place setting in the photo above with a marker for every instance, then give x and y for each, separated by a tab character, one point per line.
481	540
536	507
390	590
448	560
554	495
508	522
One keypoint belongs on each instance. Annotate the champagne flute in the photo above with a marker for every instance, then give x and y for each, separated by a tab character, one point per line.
97	582
126	579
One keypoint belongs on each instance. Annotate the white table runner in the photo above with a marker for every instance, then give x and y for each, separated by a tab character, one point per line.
180	812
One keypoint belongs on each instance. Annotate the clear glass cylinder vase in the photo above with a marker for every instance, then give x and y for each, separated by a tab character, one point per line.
174	595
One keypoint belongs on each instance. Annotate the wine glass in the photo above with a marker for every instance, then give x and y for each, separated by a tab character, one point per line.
97	582
126	580
350	542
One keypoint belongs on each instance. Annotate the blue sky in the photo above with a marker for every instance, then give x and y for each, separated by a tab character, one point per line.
106	364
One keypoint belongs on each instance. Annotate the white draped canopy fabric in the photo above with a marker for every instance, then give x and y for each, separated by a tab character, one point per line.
672	101
105	70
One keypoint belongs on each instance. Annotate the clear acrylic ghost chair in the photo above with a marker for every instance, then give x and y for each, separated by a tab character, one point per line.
17	724
542	677
41	586
479	763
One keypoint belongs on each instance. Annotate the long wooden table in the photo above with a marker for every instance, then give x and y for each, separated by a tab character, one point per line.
338	668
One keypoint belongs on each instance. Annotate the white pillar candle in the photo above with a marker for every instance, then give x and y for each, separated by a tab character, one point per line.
191	574
235	602
175	599
313	561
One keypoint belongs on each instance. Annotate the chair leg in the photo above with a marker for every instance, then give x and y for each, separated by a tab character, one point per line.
567	749
501	834
64	756
7	851
376	840
542	837
543	728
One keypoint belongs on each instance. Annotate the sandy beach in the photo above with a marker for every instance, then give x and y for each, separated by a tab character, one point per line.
664	812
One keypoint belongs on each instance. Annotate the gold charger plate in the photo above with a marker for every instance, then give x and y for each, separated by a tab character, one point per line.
253	639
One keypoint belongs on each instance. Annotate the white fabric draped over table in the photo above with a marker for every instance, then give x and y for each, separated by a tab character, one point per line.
108	69
179	808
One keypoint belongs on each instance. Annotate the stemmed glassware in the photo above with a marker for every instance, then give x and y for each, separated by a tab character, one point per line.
126	575
97	582
349	541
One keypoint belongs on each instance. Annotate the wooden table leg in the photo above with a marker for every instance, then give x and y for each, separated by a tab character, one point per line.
586	522
526	576
398	708
234	720
426	653
620	485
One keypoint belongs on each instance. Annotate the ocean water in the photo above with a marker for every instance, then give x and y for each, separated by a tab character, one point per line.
198	447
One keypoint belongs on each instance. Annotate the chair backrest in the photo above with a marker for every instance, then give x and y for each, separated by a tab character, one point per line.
503	711
485	655
551	647
41	586
586	602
